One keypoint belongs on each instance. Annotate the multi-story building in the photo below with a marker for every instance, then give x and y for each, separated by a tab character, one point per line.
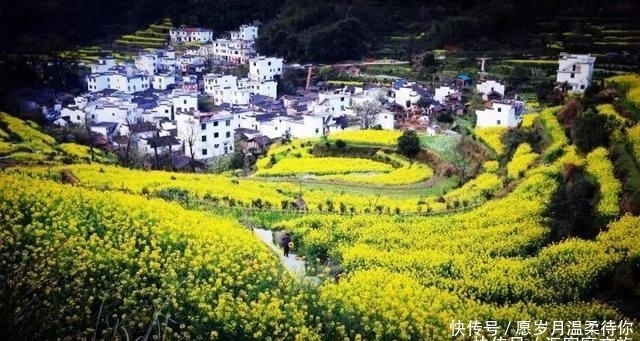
206	135
245	32
190	34
576	70
265	68
127	81
501	114
103	65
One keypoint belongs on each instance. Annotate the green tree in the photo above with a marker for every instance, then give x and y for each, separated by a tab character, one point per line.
409	144
591	131
571	208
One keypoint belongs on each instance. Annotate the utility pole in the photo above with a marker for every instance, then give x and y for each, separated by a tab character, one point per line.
482	62
308	77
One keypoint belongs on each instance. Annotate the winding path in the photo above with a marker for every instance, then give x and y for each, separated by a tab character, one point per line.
296	266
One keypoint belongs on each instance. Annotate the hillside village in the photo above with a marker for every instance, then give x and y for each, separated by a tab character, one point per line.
166	102
199	190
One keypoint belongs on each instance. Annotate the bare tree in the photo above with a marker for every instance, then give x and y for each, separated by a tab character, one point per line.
367	113
87	123
190	139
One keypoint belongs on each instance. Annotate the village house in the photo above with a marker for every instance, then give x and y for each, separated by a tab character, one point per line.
265	68
103	65
491	90
190	35
576	70
501	114
206	135
125	79
443	93
245	32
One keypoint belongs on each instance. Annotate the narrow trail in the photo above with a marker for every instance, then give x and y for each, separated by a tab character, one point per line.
292	263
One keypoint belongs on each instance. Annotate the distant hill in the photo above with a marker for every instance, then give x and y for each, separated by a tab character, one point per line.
312	29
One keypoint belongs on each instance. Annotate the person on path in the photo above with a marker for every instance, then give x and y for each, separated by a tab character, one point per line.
286	240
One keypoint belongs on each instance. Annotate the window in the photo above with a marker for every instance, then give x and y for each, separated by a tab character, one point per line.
215	135
573	75
203	126
269	63
204	151
228	123
78	117
185	101
215	123
498	122
317	130
216	145
582	86
228	134
499	109
204	138
573	67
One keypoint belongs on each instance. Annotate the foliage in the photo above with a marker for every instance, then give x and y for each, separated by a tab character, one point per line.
522	159
409	143
571	208
492	137
121	265
599	166
528	120
367	137
592	131
328	165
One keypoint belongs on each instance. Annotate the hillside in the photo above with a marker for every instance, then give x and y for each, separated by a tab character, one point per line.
546	230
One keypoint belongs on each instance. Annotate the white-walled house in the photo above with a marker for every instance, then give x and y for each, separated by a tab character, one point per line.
190	34
245	32
73	115
106	110
501	114
385	119
127	82
103	65
332	104
265	68
576	70
490	86
233	51
442	93
406	96
184	101
147	62
210	133
161	81
161	112
264	88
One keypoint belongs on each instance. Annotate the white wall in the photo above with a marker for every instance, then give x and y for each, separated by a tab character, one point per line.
576	70
216	130
490	85
499	114
443	92
103	65
184	102
406	94
162	82
385	119
76	116
147	63
265	68
117	81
